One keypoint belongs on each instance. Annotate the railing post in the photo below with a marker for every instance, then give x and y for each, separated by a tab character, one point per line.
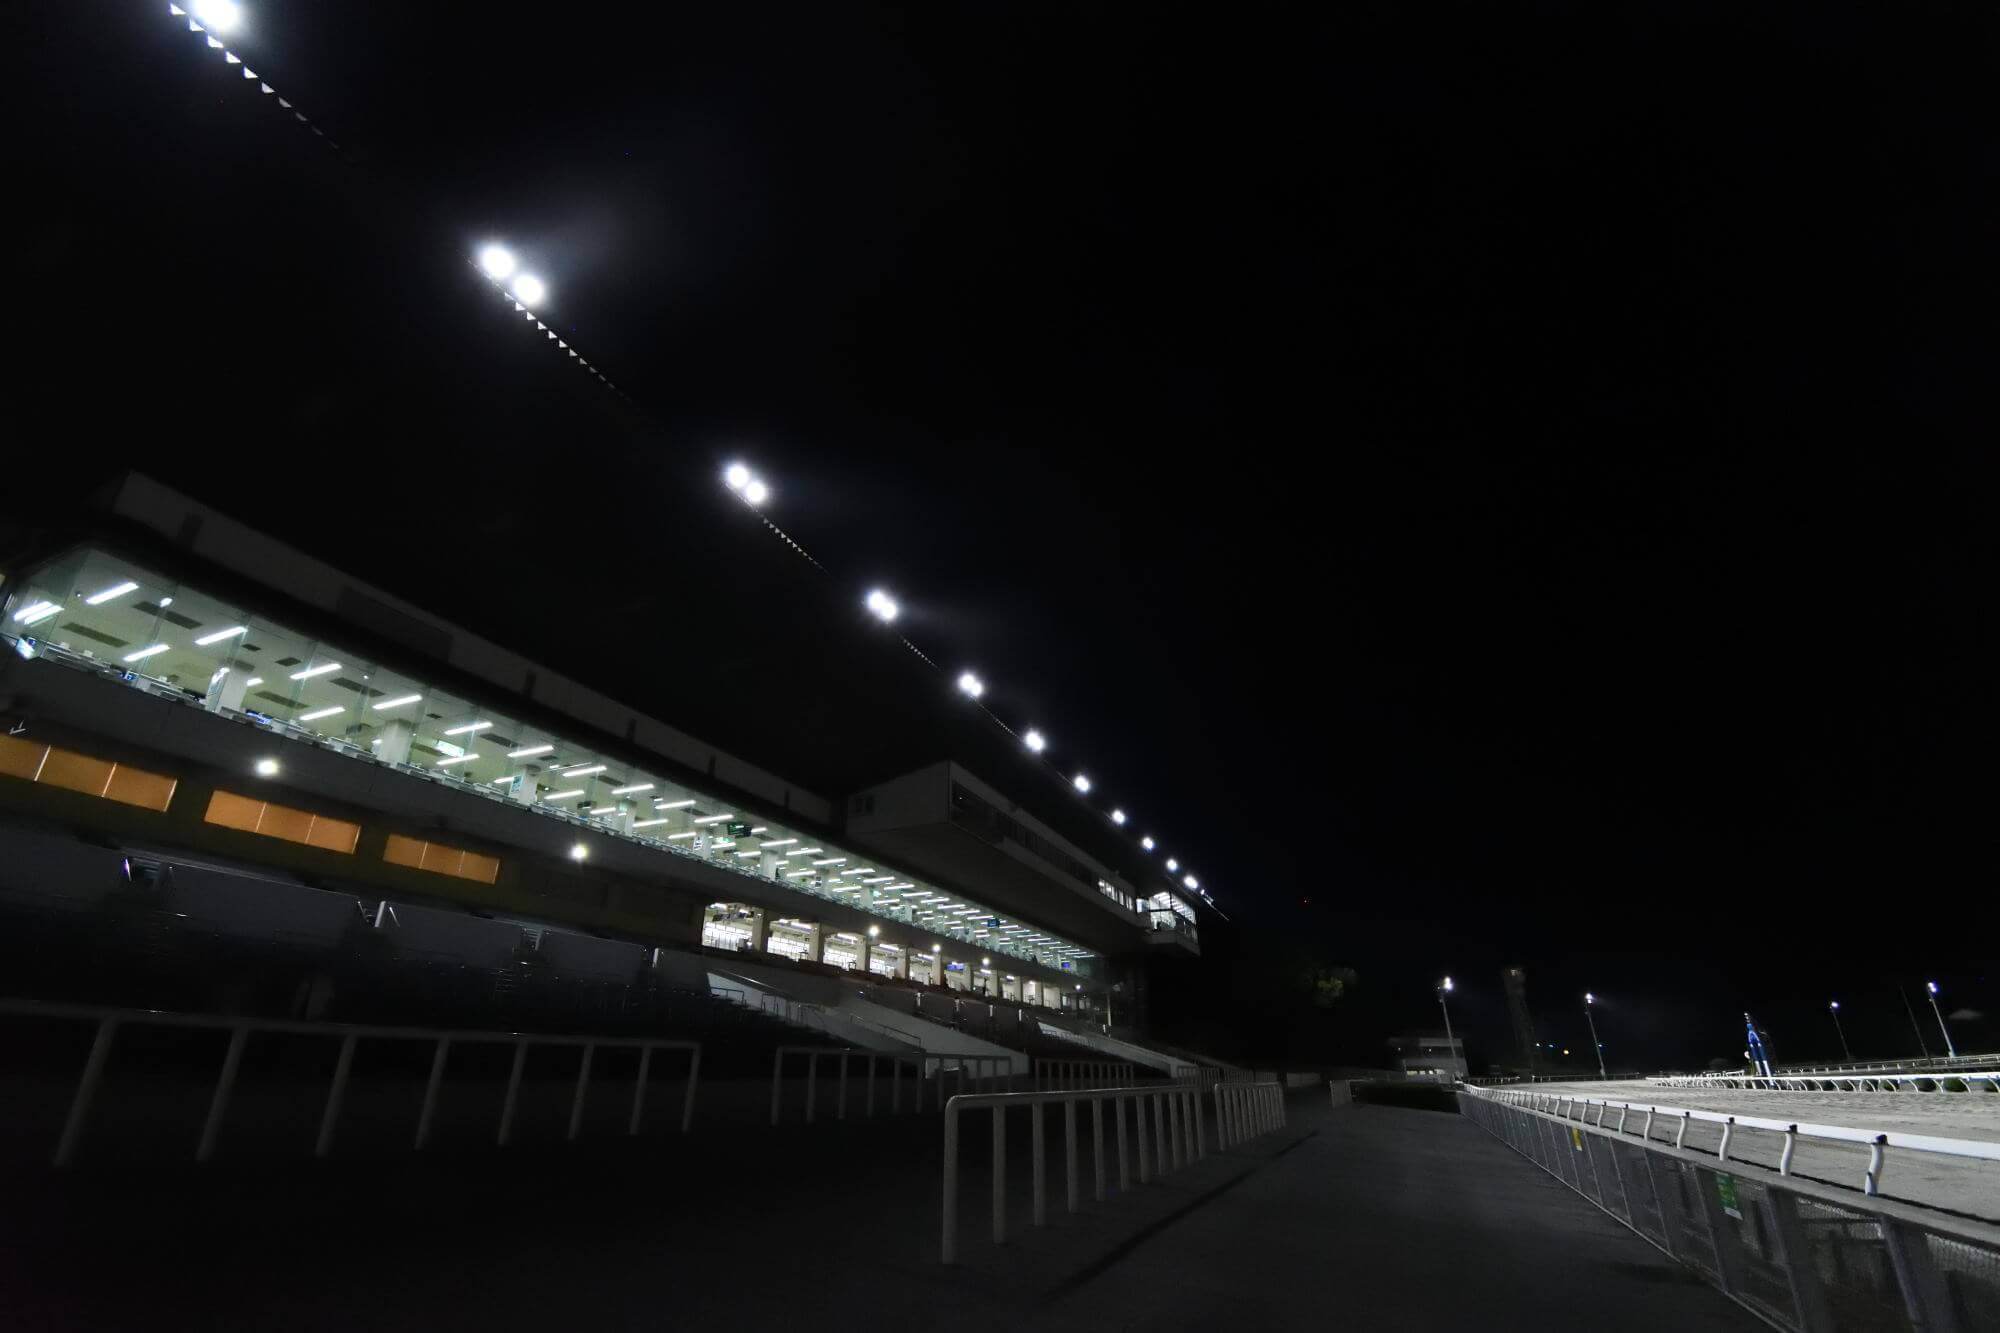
777	1071
1000	1173
335	1095
1871	1183
948	1235
1924	1300
86	1090
1041	1216
694	1082
1165	1154
582	1090
639	1090
1124	1170
1097	1146
432	1086
1069	1152
1200	1130
1139	1132
513	1091
232	1058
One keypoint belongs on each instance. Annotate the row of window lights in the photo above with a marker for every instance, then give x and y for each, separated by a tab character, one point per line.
270	768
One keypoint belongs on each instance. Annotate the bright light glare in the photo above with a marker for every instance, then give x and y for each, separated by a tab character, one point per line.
1588	998
1034	741
736	476
1931	984
883	606
1447	983
1173	864
267	768
756	492
1117	816
528	290
221	15
970	685
497	260
220	635
1189	880
578	852
1080	782
117	590
1147	843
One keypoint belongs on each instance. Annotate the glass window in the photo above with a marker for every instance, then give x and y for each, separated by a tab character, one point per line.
281	821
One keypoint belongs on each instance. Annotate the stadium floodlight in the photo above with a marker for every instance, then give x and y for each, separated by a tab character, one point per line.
221	15
736	476
755	492
873	931
1189	880
498	261
970	685
1173	864
1034	741
578	852
1117	816
1146	843
529	290
883	606
1080	782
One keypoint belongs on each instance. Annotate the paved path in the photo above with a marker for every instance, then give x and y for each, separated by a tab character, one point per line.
1389	1217
1959	1185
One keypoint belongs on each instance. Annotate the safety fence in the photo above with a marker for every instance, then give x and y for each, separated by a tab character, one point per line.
1799	1255
1061	1075
1679	1120
108	1022
932	1069
1177	1138
1919	1065
1974	1080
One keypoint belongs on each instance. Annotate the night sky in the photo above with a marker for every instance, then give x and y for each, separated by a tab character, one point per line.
1489	486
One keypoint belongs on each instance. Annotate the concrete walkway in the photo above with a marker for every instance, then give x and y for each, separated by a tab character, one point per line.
1391	1218
1370	1216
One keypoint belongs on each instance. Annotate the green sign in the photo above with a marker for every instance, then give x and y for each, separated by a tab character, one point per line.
738	829
1725	1190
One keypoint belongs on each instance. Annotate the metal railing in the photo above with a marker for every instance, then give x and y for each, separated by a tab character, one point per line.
1178	1138
1061	1075
109	1021
1798	1255
1968	1080
1577	1110
969	1070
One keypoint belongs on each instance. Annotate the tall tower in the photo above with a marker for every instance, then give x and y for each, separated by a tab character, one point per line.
1515	980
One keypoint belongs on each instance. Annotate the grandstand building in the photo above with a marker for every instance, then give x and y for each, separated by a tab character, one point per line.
211	733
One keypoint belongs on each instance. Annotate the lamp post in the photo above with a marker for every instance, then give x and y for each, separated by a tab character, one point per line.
1588	1001
1450	1045
1833	1007
1950	1051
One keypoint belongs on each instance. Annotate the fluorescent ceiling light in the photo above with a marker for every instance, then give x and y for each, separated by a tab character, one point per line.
221	634
722	843
115	590
583	770
635	787
319	713
400	701
468	727
36	613
564	795
676	837
604	810
781	842
456	759
830	861
154	651
713	819
321	670
516	754
648	823
254	680
672	805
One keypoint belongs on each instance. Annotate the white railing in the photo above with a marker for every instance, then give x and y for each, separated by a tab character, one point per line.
1061	1075
970	1070
109	1022
1969	1080
1799	1255
1578	1109
1178	1138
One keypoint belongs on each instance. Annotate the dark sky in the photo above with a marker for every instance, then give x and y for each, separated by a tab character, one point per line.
1511	476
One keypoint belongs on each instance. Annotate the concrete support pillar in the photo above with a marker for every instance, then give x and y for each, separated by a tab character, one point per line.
396	737
864	954
760	930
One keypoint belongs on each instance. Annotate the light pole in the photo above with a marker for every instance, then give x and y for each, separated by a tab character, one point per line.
1833	1007
1950	1051
1450	1046
1588	1001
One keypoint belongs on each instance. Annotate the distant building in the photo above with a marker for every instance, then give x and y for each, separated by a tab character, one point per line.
1431	1056
1515	981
